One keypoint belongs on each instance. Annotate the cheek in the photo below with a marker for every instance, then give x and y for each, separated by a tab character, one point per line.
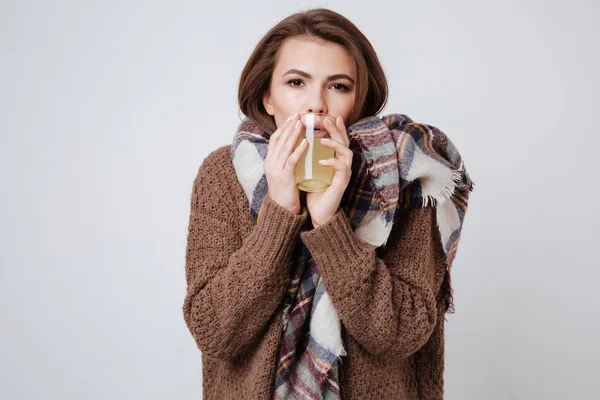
286	101
342	106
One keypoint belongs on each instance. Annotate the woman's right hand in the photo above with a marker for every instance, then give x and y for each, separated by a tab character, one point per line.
280	164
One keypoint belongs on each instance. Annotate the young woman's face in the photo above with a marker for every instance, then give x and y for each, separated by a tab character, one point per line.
311	76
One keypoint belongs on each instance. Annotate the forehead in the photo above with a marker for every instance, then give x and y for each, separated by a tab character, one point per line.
314	57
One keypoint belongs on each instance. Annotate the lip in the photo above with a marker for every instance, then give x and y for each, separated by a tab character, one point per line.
319	125
320	133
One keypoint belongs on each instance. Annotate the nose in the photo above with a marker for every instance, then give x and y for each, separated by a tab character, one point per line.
316	103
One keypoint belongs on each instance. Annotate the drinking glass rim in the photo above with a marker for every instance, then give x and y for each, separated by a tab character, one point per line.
329	116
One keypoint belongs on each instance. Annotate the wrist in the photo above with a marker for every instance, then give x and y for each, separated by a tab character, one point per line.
294	209
316	223
323	219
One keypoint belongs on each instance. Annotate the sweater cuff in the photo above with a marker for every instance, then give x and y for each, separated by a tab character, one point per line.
277	229
335	243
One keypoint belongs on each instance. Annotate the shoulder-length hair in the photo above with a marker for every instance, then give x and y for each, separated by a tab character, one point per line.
320	24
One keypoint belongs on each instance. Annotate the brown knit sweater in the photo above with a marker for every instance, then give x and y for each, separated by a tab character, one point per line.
237	272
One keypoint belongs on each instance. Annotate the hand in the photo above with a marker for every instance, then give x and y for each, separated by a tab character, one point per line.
322	206
280	164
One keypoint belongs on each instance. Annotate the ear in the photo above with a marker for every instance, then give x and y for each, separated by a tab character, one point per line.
267	102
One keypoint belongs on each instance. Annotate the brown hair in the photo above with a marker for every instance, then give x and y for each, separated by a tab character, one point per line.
321	24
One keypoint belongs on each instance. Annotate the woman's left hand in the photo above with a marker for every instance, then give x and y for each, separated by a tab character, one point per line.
322	206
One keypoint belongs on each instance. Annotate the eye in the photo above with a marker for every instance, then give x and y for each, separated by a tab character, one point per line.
295	82
340	86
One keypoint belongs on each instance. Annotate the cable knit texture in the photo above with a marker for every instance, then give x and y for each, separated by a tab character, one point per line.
237	272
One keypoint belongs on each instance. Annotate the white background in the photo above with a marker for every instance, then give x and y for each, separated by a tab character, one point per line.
108	109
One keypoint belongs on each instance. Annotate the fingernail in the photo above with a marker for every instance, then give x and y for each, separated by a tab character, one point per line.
291	117
303	142
297	124
322	161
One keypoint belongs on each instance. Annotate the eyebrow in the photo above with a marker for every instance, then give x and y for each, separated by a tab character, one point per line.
309	76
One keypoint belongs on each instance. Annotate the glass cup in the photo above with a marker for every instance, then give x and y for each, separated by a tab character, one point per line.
310	175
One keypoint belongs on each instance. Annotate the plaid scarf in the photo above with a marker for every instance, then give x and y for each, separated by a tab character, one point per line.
397	164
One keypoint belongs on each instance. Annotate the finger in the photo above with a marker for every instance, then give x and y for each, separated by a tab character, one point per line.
292	140
293	159
275	136
340	149
288	142
342	128
342	171
336	163
275	140
333	131
285	133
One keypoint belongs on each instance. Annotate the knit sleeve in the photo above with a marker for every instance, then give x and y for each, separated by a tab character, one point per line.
387	304
234	283
429	359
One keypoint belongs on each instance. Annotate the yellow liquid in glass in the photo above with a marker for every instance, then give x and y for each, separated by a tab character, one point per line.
310	175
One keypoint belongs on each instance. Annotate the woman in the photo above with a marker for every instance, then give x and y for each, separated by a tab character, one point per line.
339	294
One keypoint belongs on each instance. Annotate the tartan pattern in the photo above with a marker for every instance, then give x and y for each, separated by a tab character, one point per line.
397	164
384	153
305	369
